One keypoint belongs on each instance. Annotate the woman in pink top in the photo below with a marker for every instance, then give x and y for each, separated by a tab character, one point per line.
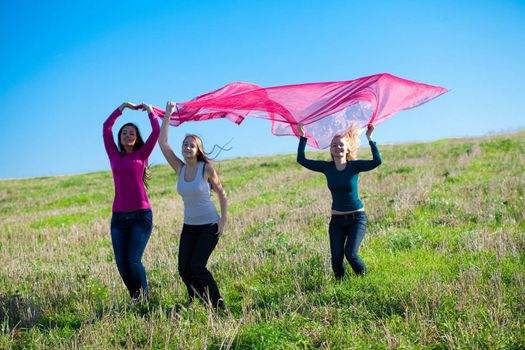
131	222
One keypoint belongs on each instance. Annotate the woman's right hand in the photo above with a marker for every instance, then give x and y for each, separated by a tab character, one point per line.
128	105
170	106
148	108
300	129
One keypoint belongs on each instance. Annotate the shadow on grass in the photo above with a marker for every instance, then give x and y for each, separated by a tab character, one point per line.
19	311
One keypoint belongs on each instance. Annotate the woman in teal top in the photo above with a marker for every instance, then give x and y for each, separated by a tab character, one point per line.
348	223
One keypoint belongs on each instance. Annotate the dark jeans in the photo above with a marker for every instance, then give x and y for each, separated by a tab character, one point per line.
196	244
130	232
346	234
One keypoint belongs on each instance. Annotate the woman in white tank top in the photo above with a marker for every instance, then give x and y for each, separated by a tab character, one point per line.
202	223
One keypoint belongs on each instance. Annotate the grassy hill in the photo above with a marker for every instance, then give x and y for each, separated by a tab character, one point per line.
445	249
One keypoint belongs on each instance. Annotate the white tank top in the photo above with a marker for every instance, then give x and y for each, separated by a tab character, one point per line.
196	195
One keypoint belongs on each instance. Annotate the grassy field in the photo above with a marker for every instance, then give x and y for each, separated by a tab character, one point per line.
445	249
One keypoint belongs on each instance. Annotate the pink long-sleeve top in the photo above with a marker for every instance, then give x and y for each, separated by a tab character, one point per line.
128	169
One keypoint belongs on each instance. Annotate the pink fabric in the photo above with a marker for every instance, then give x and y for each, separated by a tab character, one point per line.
326	109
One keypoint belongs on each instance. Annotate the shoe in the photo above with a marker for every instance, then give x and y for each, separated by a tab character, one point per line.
139	297
220	306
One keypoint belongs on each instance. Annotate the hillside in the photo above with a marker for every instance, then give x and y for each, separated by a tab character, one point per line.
445	249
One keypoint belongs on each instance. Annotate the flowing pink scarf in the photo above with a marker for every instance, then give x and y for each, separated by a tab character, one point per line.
326	109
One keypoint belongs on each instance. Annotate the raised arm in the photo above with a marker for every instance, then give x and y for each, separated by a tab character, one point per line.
165	147
213	178
367	165
315	165
149	145
107	127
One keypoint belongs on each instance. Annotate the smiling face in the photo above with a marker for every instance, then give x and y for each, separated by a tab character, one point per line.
190	148
338	147
128	136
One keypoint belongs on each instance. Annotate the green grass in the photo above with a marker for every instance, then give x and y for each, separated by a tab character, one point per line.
445	249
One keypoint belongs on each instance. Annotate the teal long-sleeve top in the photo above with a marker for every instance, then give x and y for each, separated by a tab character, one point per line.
342	183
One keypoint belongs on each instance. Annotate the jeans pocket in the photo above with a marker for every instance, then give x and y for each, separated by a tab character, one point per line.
336	220
147	217
335	226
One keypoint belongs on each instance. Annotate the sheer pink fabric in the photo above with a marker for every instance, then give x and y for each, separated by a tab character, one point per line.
326	109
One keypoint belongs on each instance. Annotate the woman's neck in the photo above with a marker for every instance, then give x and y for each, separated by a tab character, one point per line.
340	162
191	163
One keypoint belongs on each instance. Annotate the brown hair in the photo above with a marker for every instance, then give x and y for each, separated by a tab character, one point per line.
146	176
201	155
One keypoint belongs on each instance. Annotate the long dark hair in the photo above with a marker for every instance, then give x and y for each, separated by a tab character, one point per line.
138	145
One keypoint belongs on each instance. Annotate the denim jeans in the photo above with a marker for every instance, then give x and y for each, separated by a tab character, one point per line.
346	234
197	242
130	232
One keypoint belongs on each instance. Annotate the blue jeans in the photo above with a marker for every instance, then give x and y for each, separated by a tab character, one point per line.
346	234
130	232
197	242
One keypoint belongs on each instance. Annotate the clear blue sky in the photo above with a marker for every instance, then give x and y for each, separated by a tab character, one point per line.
66	65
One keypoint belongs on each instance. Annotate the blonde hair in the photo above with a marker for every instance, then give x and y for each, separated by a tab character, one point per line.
351	138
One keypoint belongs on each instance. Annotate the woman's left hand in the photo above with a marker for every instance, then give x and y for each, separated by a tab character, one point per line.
301	130
369	132
220	224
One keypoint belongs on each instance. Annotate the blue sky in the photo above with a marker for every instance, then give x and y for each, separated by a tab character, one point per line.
66	65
